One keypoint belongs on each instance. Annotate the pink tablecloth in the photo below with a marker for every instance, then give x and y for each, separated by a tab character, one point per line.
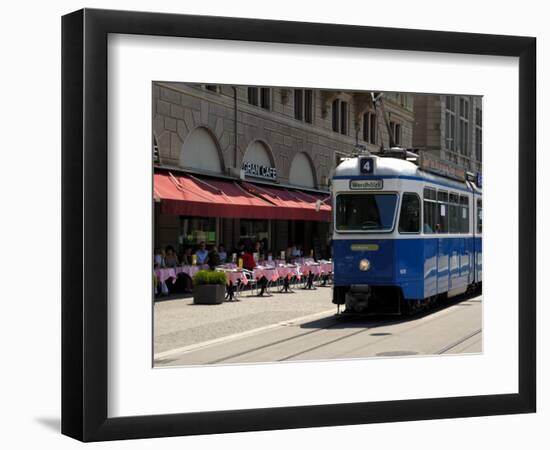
269	273
315	269
190	270
235	276
165	274
289	272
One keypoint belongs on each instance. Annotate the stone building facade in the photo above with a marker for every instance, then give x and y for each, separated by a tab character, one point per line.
281	136
226	113
450	129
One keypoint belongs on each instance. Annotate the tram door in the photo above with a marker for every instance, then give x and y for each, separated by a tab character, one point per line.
442	243
442	265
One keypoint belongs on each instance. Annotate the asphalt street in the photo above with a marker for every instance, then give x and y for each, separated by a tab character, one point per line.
304	326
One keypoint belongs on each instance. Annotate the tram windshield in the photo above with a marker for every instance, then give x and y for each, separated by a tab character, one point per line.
365	212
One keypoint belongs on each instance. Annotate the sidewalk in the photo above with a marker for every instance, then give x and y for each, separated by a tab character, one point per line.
180	323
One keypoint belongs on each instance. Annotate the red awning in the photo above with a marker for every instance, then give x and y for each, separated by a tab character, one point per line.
294	204
193	196
190	195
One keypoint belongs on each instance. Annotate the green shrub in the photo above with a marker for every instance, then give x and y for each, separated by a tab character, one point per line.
209	277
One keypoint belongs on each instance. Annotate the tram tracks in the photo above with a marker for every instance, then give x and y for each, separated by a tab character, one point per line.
455	344
305	345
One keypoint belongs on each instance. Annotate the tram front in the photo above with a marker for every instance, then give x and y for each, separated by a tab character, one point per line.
366	195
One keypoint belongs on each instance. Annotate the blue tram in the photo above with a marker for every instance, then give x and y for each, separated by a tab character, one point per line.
403	237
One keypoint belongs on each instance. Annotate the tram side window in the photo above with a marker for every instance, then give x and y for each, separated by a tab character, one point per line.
409	220
479	215
443	212
464	215
454	217
430	210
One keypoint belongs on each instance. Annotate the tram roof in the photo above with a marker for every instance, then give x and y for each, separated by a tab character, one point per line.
396	167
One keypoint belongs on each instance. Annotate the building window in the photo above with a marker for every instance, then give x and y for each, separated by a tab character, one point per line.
463	126
211	87
252	230
253	96
194	230
369	127
336	115
156	156
265	98
259	97
298	104
308	106
303	105
450	123
344	118
340	114
479	135
396	131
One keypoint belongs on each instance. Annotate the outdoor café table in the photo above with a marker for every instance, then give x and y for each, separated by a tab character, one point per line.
286	272
310	270
163	274
233	276
269	273
189	270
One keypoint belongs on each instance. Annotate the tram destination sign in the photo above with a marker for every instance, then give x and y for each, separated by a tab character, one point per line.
366	185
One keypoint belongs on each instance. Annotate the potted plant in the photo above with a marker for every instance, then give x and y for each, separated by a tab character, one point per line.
209	287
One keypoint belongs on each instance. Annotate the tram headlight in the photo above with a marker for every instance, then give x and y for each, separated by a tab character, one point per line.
364	265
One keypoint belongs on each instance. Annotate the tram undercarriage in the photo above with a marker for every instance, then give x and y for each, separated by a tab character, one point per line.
388	300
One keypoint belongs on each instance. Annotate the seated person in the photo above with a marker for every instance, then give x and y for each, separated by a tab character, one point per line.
158	259
222	253
202	254
171	259
187	257
289	257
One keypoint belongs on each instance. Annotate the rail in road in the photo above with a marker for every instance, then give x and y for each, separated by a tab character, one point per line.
454	328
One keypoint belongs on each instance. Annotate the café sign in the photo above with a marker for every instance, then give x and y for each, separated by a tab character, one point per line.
252	169
440	167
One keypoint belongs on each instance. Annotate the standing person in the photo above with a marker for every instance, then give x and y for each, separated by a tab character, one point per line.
213	258
171	259
202	254
248	259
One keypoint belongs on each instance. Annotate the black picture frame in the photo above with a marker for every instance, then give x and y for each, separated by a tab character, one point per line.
84	224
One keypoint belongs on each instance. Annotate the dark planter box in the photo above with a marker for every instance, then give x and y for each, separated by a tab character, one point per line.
208	294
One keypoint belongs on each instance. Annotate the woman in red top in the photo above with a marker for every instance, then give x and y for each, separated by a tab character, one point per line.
248	260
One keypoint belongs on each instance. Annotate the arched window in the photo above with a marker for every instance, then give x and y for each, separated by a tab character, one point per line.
258	161
301	171
200	151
